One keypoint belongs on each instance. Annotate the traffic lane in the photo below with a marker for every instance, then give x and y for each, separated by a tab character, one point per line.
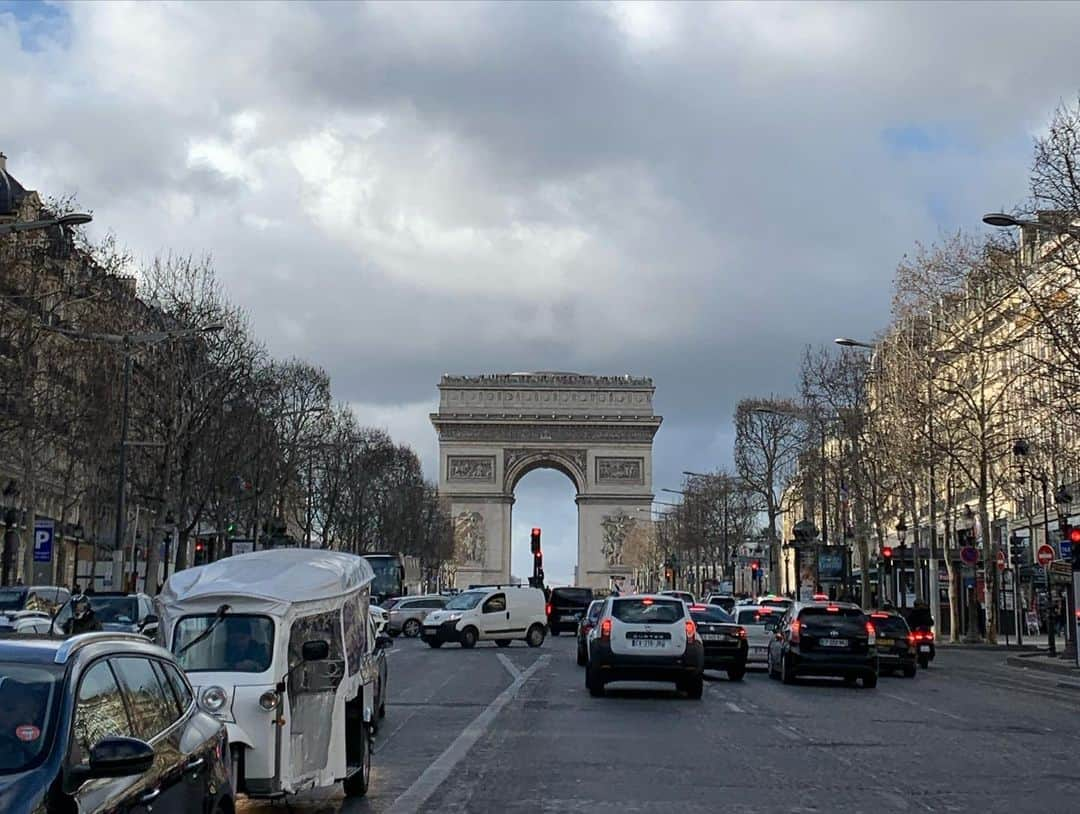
759	745
432	696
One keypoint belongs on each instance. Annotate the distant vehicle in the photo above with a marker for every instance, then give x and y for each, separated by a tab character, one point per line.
781	602
685	596
566	607
499	613
825	639
587	623
895	643
645	638
105	722
389	576
380	617
725	601
725	642
125	613
759	621
19	602
407	614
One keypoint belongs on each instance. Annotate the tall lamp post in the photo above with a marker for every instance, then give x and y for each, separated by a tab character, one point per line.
73	219
1021	449
901	541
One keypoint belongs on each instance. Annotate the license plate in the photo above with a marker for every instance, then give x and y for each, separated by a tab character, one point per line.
924	648
885	642
834	642
570	618
714	637
430	631
759	651
646	643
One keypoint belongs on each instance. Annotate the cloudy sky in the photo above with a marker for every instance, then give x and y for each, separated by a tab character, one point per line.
692	193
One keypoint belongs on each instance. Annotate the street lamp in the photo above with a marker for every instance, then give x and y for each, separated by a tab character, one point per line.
852	343
1021	449
72	219
1004	221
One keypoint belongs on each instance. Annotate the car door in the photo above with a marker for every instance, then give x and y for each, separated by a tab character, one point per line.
495	617
101	711
156	719
198	742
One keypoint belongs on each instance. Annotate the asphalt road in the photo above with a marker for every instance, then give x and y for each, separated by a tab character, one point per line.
514	730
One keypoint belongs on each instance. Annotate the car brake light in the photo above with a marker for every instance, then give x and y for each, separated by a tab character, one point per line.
879	615
832	609
548	608
691	630
796	626
871	634
911	638
699	607
740	632
605	629
646	601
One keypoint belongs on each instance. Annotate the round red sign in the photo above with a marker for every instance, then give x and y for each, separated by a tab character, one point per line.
1001	561
1045	556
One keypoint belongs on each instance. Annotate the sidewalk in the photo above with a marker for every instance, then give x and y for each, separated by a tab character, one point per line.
1045	663
1031	644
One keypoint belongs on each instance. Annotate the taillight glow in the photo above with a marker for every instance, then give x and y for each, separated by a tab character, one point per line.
832	609
871	634
699	607
911	638
691	630
740	632
879	615
646	601
548	611
605	629
796	626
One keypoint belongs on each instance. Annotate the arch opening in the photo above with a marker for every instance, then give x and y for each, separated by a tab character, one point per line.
544	497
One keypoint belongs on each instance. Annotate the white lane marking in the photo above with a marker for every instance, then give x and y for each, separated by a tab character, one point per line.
917	705
791	734
511	668
733	706
436	774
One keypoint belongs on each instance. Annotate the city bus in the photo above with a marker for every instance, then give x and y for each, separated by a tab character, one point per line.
389	575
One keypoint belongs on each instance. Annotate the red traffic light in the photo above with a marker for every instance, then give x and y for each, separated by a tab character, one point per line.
535	532
199	546
886	552
755	565
534	543
538	554
1074	535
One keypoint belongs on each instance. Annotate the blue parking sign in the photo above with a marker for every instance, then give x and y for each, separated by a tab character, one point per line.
1066	549
43	540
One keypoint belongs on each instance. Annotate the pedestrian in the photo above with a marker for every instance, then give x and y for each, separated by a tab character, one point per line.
75	589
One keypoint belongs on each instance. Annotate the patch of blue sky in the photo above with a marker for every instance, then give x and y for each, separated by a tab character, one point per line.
916	138
39	22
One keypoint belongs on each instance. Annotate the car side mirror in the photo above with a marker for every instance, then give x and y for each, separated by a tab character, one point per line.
382	642
116	756
318	650
150	619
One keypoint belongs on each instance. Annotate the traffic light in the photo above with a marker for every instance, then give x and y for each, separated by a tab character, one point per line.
200	552
535	542
1074	538
886	555
231	528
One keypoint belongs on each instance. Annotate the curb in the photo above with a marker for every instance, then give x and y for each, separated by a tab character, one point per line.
1045	667
994	648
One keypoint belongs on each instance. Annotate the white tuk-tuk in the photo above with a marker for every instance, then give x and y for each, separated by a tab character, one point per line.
280	646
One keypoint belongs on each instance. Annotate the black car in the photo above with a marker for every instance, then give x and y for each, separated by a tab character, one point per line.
566	607
120	612
824	639
105	722
725	642
587	623
895	643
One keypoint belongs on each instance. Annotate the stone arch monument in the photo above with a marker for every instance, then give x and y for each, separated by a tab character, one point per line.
596	430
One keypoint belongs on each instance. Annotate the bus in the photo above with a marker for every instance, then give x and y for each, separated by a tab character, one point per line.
389	576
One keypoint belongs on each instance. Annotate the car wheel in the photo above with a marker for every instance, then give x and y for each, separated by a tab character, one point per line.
736	673
554	630
582	659
769	666
469	637
909	672
356	785
924	661
787	672
869	681
435	643
236	753
411	628
694	688
535	636
594	683
502	642
850	681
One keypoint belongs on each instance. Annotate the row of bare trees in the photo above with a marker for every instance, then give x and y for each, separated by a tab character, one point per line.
920	428
223	440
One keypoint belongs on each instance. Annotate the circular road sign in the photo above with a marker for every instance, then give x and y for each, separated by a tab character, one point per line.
969	554
1045	555
1001	561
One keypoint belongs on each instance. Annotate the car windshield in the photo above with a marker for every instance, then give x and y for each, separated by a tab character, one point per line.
121	610
30	693
466	601
12	599
239	643
710	613
756	617
893	626
571	596
647	611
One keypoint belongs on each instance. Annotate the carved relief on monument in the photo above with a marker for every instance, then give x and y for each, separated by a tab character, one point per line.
470	538
616	528
620	470
471	468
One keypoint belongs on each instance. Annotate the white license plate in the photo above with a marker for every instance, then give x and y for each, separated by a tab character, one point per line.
759	651
924	648
430	631
834	642
714	637
646	643
568	618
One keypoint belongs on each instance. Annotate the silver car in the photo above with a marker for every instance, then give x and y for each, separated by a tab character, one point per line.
759	621
408	613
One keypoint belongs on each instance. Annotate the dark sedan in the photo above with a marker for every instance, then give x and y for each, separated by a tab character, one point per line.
105	722
726	647
895	643
587	623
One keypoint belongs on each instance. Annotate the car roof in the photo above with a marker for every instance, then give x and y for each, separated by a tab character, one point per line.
44	649
816	604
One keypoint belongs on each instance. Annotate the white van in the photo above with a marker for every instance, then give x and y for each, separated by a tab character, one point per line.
500	613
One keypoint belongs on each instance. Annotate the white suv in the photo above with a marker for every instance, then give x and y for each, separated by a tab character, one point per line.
645	638
499	613
759	621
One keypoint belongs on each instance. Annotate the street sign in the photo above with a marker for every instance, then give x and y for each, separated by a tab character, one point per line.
43	540
969	554
1045	555
1066	549
243	546
1001	561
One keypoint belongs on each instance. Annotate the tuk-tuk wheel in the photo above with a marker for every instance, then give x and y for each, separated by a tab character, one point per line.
356	785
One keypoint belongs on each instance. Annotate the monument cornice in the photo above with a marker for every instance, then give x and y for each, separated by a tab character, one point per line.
553	379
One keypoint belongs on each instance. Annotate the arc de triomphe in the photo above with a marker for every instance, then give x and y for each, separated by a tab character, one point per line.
495	429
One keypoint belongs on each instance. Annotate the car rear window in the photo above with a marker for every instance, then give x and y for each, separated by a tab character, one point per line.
647	611
756	617
846	620
571	596
710	613
891	626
